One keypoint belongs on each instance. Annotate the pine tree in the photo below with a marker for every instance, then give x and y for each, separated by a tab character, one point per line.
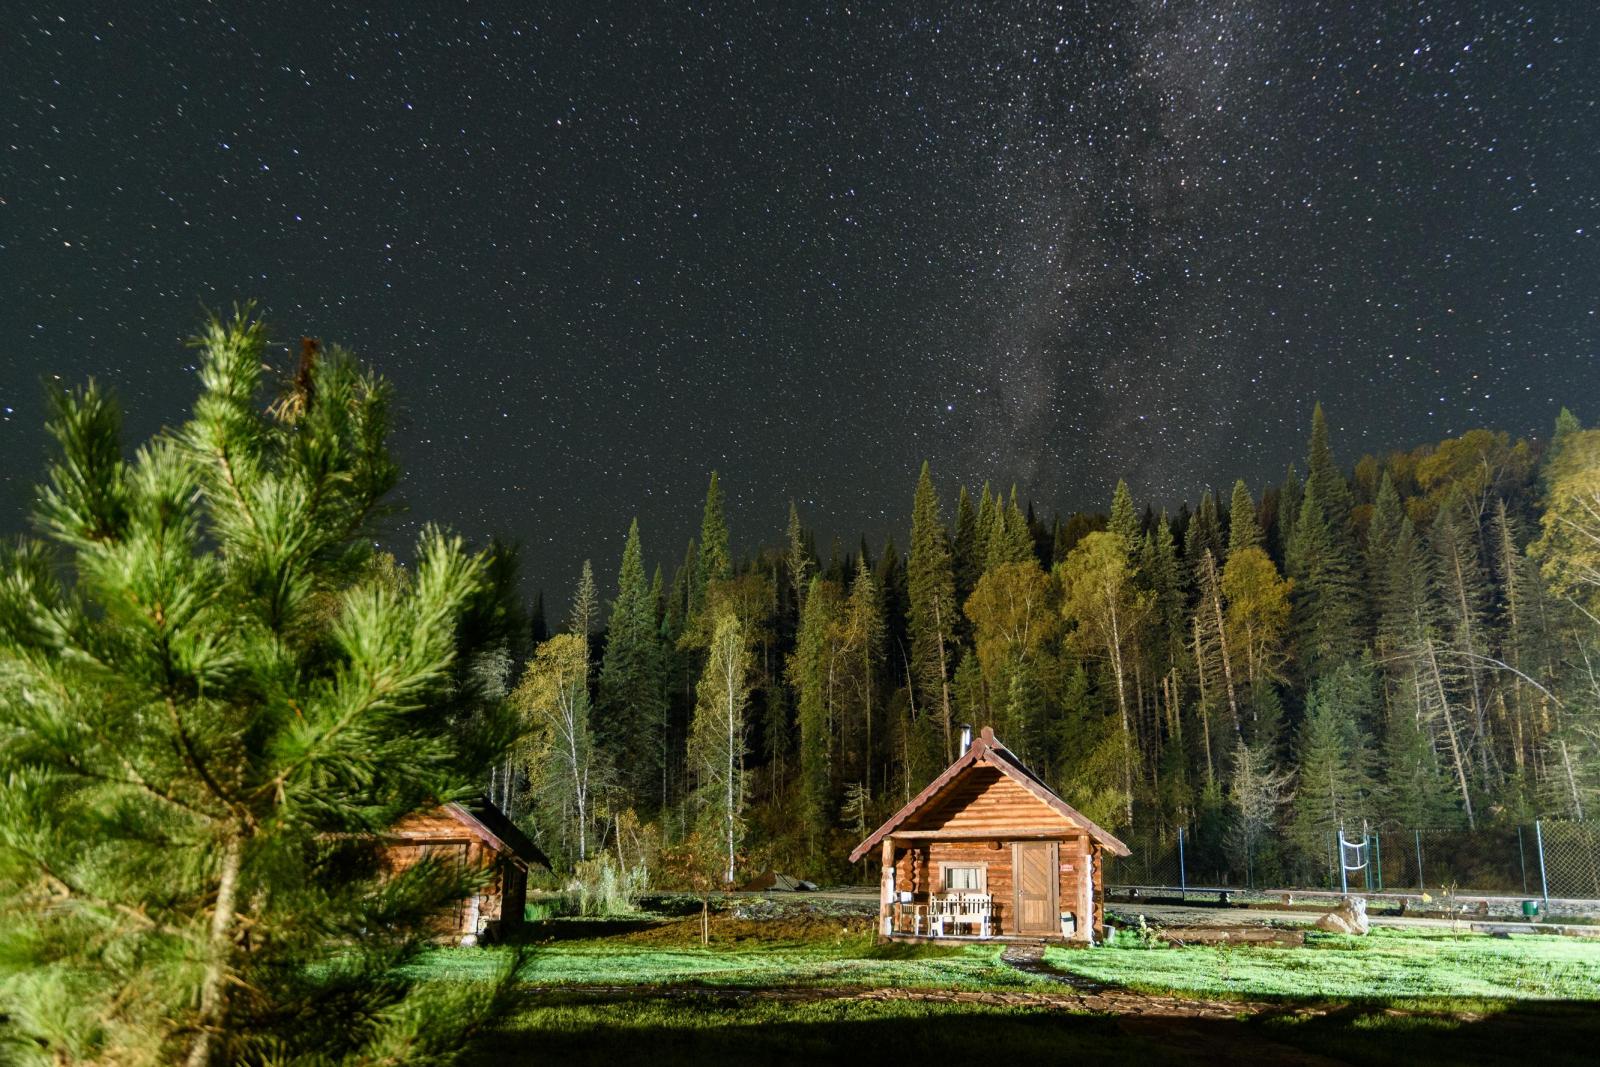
632	695
933	612
1243	530
213	698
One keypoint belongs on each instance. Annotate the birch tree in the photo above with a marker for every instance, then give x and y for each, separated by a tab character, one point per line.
717	739
1106	610
553	698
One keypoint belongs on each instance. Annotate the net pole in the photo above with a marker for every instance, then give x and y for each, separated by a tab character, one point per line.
1544	881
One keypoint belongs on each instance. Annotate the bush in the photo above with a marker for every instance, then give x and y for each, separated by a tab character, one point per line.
604	889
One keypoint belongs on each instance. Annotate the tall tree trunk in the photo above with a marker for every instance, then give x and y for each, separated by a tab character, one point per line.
213	999
1114	647
1450	733
944	682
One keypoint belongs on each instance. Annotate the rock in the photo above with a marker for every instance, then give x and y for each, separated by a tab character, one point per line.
1350	917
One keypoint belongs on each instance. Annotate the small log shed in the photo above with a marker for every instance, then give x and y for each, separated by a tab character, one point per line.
480	835
989	828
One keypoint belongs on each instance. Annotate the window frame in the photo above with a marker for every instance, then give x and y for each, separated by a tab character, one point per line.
981	866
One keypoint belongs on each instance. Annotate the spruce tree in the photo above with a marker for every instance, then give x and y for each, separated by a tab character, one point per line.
1333	783
1290	495
585	611
797	558
1243	529
1416	790
864	636
1124	520
964	547
933	613
1326	618
813	672
983	527
1383	531
631	697
1204	535
715	561
1325	480
214	700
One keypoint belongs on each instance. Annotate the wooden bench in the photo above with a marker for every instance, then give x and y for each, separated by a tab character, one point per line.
961	909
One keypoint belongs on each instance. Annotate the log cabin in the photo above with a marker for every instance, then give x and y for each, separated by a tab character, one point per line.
481	836
989	850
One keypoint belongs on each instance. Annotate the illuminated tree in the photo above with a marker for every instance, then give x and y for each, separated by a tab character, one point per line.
214	699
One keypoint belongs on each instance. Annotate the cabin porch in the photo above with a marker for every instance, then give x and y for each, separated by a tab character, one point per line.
949	885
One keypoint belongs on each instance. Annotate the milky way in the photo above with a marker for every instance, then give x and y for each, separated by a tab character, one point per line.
605	249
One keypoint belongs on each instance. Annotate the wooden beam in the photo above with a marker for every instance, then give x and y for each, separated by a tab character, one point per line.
993	834
886	888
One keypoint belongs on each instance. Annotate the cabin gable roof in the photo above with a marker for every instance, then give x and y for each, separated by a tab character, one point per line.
484	820
985	751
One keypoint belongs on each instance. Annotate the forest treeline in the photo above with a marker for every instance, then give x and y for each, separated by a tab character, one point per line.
1411	642
217	696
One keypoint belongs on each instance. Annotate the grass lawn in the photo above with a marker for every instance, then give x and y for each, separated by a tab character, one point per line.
1388	965
762	954
654	1031
602	990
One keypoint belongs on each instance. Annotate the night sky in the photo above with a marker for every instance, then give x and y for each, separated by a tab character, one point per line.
604	249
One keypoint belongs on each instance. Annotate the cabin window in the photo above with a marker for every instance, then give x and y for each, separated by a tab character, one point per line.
965	877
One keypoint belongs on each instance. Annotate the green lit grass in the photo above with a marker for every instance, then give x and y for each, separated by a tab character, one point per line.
1391	966
849	960
570	1030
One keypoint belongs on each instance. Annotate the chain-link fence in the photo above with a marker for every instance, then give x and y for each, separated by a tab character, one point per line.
1540	860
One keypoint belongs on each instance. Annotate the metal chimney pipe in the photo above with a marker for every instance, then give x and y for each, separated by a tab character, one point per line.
966	737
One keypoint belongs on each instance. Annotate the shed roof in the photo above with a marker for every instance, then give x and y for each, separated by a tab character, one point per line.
484	820
986	751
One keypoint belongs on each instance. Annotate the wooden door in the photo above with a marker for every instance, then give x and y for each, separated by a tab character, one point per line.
1036	879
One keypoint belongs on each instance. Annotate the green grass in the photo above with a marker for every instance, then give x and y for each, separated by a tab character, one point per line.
1460	998
657	1031
1390	966
850	959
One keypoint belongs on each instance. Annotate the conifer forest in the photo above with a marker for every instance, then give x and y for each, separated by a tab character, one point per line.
1400	640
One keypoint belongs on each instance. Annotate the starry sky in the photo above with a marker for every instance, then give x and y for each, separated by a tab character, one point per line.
603	248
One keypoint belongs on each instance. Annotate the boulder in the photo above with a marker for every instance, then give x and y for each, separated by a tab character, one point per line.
1350	917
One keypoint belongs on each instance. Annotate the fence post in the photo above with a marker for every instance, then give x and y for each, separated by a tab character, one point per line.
1344	879
1422	887
1183	877
1377	849
1544	882
1522	861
